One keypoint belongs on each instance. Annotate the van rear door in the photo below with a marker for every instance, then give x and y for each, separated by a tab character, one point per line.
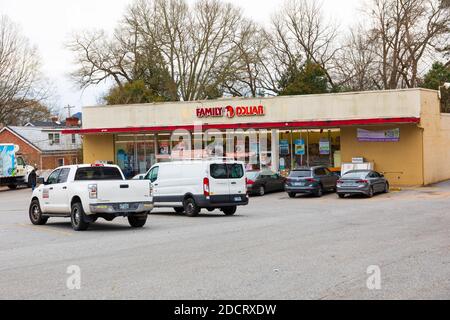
227	182
219	187
237	183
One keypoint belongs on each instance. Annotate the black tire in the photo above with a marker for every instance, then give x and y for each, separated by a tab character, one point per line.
261	191
77	217
137	221
341	195
12	186
229	211
179	210
292	195
210	209
190	208
319	192
35	214
371	193
386	188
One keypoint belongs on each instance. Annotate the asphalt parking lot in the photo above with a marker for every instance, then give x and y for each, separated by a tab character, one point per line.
275	248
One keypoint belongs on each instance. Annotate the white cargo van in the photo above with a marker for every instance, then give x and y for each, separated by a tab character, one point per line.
190	185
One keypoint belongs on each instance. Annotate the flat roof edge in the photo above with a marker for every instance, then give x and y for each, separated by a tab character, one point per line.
265	98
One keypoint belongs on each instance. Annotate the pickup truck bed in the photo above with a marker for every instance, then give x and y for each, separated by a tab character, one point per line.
88	192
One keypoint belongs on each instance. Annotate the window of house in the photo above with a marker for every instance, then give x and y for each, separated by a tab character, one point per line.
54	138
74	139
60	162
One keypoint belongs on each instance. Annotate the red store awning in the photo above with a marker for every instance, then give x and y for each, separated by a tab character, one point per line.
257	125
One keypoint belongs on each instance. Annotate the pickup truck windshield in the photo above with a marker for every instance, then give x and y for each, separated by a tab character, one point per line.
98	173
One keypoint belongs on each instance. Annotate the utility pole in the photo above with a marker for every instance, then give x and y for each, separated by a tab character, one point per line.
68	109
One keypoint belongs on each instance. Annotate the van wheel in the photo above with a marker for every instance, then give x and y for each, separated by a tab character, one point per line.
190	208
35	214
229	211
137	221
179	209
77	217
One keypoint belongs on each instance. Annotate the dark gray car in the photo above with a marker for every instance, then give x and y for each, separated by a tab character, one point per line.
311	180
366	182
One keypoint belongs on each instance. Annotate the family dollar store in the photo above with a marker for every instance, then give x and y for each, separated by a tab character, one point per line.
400	133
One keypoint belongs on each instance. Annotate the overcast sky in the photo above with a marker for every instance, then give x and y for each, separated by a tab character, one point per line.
49	23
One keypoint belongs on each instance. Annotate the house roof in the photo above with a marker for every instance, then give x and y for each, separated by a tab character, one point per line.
45	124
38	138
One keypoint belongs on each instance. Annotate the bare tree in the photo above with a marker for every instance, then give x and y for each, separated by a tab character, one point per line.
20	77
404	33
356	63
202	48
299	32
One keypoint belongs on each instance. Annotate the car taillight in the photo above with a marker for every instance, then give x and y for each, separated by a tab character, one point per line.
206	187
92	191
339	182
250	181
311	180
362	181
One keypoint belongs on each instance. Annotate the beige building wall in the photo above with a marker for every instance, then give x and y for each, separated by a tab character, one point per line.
324	107
401	162
99	147
436	139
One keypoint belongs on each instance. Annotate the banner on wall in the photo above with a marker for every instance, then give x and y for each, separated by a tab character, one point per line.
299	147
392	135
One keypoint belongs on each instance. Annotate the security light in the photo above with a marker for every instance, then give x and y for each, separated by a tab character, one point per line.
446	85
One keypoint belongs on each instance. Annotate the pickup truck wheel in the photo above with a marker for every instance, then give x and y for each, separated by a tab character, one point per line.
229	211
179	210
36	214
77	217
190	208
137	221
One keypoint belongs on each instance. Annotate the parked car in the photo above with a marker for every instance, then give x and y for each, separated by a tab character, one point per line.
366	182
311	180
88	192
262	182
189	186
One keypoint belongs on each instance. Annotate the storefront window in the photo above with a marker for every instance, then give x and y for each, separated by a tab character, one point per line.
134	154
125	154
163	147
323	145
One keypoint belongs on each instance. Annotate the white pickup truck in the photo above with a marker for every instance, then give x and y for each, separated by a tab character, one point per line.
87	192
